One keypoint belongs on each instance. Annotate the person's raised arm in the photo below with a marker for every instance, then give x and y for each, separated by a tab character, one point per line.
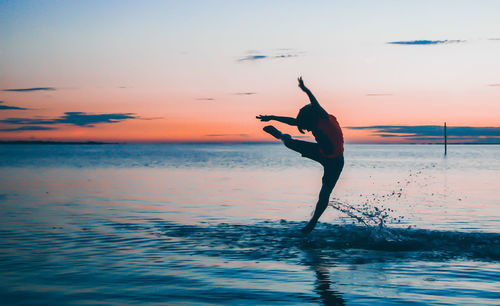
313	100
287	120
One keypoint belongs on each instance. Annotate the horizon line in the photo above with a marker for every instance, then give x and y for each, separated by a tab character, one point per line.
225	142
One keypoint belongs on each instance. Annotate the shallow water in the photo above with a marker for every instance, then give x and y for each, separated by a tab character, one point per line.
171	224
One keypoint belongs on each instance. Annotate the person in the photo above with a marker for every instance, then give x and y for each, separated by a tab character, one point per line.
328	149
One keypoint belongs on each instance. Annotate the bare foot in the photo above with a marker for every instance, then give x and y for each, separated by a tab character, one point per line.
273	131
307	229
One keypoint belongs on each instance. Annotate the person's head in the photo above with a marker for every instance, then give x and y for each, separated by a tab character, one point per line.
307	119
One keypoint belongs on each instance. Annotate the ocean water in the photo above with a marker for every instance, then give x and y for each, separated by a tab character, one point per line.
220	224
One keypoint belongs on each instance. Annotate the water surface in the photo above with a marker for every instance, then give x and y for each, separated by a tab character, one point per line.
171	224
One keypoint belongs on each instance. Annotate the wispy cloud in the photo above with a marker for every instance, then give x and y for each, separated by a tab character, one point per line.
73	118
253	58
205	99
286	55
244	93
149	118
11	107
494	85
434	132
30	89
425	42
254	55
227	135
29	128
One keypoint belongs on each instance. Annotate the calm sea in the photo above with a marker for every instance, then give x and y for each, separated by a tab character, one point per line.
220	224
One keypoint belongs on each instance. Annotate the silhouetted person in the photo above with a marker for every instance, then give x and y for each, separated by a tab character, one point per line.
328	149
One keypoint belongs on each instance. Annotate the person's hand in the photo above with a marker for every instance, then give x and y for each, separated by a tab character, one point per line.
264	118
301	83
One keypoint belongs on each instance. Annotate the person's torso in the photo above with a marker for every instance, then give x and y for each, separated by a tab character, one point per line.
329	137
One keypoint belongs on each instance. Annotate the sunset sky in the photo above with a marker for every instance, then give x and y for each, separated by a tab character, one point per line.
159	71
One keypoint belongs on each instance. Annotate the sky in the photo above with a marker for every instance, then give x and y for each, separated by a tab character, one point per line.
176	71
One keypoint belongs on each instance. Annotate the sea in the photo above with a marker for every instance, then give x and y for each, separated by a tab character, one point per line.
176	224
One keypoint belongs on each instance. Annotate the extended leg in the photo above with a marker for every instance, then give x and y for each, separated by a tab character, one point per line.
274	132
307	149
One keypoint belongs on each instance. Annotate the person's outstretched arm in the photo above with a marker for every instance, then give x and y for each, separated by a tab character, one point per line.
313	100
287	120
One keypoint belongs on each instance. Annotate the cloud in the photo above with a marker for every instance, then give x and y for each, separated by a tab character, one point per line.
205	99
253	58
28	128
227	135
244	93
425	42
435	132
30	89
285	55
274	54
73	118
494	85
378	94
150	118
11	107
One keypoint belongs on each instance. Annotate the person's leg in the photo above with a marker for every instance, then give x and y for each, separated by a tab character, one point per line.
330	178
321	205
307	149
274	132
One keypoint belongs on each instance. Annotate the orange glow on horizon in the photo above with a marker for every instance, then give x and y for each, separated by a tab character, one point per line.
229	118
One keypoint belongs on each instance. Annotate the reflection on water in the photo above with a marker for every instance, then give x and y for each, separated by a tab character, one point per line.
220	224
323	284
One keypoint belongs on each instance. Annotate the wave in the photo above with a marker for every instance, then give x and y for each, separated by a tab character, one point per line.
273	239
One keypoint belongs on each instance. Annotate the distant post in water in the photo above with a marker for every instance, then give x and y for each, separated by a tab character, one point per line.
445	140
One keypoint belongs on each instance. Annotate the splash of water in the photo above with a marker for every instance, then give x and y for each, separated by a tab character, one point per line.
283	240
366	215
372	211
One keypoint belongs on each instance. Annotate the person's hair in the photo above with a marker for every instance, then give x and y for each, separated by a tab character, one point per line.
307	118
